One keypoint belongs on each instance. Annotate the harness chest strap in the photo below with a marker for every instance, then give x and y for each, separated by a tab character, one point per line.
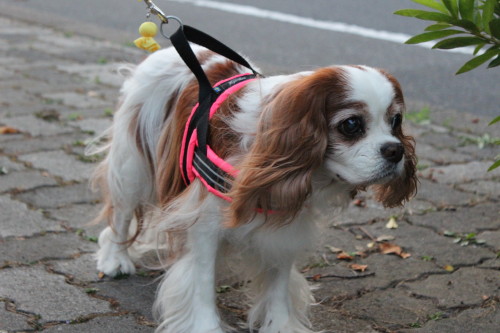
197	159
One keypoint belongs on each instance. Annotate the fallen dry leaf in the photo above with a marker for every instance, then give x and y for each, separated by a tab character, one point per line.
389	248
385	238
333	249
359	268
316	277
344	256
392	224
449	268
8	130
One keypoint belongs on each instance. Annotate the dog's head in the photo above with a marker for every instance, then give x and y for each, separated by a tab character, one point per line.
345	120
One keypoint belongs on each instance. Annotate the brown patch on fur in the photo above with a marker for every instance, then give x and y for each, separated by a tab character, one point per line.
169	180
290	144
398	191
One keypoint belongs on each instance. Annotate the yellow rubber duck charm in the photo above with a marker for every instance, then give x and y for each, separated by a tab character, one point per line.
147	30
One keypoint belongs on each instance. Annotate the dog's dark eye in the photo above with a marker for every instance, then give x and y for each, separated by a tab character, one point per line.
351	126
396	121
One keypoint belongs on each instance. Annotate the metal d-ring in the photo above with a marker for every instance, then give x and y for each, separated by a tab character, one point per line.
175	18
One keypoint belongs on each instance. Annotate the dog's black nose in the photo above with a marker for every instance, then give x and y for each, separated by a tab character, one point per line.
392	152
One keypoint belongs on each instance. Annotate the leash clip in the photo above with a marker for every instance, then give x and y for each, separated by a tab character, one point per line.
155	10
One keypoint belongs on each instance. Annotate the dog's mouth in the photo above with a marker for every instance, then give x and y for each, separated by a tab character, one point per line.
382	176
385	175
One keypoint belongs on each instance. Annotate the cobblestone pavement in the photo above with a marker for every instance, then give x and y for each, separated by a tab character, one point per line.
442	272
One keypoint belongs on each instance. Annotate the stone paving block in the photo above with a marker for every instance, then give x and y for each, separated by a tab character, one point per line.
5	73
468	286
482	320
23	110
45	247
461	173
60	164
17	97
122	324
54	80
77	100
17	219
10	321
79	217
24	180
461	219
438	140
424	243
443	195
106	73
10	61
388	270
53	197
491	263
24	284
488	188
95	125
133	293
83	268
10	165
440	156
8	137
492	238
465	122
390	308
486	153
70	114
35	126
370	212
334	320
34	145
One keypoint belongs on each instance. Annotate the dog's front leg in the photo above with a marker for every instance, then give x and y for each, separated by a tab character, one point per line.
113	257
186	299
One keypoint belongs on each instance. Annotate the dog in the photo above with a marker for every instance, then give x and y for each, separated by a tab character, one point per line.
302	144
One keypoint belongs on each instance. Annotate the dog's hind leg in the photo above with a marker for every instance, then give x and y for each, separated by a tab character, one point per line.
128	185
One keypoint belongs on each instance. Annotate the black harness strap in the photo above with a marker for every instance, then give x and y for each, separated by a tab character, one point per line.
214	176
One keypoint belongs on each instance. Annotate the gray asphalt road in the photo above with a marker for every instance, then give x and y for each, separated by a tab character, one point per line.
427	76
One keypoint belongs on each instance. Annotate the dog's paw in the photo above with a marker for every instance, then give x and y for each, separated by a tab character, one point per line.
114	263
112	257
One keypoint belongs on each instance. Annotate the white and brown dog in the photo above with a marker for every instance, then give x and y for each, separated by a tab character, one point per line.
303	144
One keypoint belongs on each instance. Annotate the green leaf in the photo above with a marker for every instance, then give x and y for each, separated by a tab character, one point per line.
494	165
466	24
488	10
466	8
438	26
494	121
478	48
427	36
452	6
432	4
477	61
495	62
495	27
455	42
425	15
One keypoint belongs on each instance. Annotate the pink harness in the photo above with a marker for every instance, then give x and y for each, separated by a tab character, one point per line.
214	172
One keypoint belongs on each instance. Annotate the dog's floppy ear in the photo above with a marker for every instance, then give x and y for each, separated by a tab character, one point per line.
291	140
